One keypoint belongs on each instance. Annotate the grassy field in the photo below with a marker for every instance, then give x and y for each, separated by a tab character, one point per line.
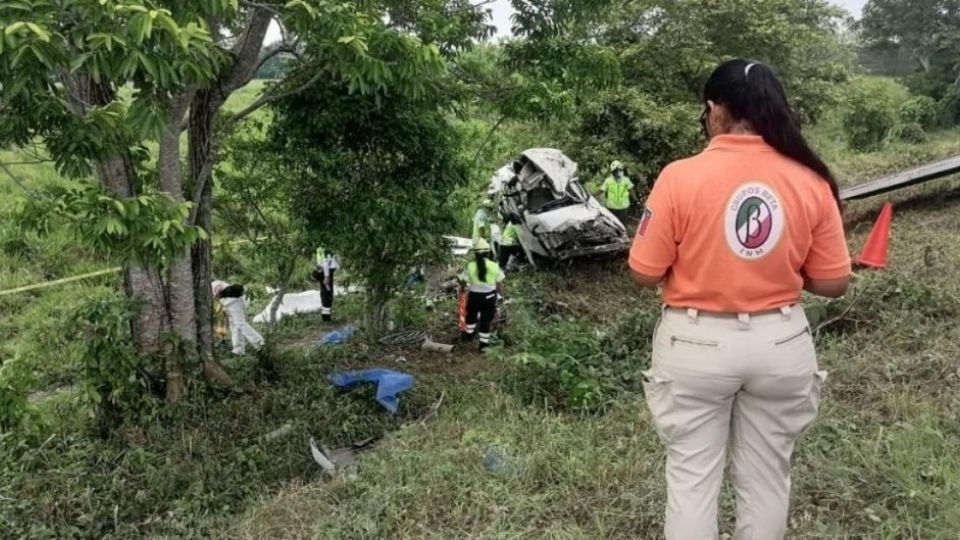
883	460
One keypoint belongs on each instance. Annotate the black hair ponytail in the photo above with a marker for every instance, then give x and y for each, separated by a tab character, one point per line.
481	265
752	92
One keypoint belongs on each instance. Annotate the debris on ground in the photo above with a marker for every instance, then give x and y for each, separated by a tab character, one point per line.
496	460
321	459
339	459
432	346
337	337
408	338
282	431
389	384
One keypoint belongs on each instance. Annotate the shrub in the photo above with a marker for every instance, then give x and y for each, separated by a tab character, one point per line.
922	111
910	133
115	379
950	107
870	115
564	365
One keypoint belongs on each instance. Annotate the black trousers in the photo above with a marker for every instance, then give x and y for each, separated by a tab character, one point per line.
622	215
481	308
326	296
506	251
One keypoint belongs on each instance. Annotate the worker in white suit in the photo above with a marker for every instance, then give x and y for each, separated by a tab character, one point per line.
241	333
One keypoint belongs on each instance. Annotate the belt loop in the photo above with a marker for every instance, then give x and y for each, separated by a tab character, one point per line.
693	315
786	311
744	319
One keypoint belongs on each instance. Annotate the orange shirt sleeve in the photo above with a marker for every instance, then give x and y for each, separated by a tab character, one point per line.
829	257
654	247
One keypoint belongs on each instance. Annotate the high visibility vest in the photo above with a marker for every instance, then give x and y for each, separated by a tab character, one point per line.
511	235
616	193
481	221
473	274
320	256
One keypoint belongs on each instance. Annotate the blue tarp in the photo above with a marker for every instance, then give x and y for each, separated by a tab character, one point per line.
389	384
337	337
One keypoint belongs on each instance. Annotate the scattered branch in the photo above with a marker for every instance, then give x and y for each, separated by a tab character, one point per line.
841	316
433	410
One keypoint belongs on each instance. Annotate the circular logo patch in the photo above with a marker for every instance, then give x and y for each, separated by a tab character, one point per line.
753	221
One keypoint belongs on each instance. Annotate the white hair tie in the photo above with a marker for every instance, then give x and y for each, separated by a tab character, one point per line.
746	71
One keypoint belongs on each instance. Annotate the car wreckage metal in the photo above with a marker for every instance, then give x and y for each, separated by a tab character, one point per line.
558	218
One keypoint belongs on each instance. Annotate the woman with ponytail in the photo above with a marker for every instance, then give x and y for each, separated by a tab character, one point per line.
733	236
484	281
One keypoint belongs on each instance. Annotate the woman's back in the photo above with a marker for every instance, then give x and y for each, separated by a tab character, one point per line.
738	226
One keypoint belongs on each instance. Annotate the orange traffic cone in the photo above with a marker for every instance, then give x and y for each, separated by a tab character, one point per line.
874	254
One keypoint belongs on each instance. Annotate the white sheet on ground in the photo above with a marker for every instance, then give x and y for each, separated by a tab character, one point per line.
303	302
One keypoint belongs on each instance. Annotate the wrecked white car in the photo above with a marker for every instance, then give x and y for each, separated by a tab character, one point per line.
558	218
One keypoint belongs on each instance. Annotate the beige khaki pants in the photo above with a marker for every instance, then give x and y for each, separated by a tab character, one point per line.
749	384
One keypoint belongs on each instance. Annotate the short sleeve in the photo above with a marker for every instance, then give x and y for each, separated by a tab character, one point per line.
654	247
630	184
606	184
829	257
501	276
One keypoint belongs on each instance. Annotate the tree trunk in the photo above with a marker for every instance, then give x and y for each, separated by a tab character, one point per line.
118	176
376	310
180	293
199	138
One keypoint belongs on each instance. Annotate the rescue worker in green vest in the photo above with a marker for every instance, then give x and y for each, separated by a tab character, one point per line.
325	266
481	220
483	279
510	243
617	190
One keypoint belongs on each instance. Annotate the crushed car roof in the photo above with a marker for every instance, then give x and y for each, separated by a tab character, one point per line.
559	168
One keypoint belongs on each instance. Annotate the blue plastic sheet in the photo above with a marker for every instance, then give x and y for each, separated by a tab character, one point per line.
389	384
337	337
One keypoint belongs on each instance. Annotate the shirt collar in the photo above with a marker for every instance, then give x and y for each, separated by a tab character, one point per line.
739	143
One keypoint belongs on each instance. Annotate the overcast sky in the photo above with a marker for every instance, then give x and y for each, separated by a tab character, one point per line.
502	11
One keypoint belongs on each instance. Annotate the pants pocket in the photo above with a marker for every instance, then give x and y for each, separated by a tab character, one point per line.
658	393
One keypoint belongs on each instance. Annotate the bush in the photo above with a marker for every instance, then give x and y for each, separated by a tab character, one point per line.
871	113
910	133
115	380
922	111
950	107
564	365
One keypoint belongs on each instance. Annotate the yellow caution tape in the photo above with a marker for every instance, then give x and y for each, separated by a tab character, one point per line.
95	274
60	281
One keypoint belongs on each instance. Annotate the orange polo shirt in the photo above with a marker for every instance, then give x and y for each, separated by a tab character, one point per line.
735	228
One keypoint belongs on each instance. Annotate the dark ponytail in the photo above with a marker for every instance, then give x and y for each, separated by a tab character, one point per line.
752	92
481	265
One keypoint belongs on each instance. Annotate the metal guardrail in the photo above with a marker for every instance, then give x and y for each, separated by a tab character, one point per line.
918	175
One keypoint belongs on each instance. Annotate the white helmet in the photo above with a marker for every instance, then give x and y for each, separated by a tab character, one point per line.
218	286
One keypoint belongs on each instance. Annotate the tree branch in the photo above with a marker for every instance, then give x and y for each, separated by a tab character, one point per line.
274	53
36	162
267	99
268	8
486	139
16	179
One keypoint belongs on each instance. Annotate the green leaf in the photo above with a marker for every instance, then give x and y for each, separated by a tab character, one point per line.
78	62
14	28
148	64
41	34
